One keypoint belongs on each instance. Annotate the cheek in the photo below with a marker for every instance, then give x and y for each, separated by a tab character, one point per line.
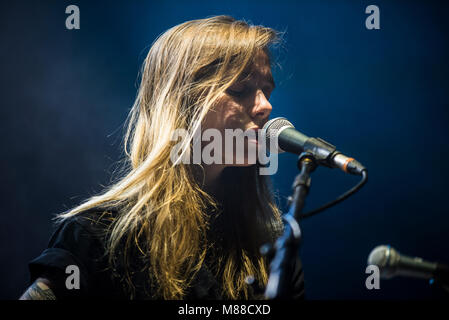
233	115
227	114
213	118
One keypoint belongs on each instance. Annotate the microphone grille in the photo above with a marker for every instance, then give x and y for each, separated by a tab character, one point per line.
379	256
276	124
272	127
385	257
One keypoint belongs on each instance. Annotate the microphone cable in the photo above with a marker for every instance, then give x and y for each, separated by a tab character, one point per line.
339	199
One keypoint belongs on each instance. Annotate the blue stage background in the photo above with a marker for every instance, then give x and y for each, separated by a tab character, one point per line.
379	95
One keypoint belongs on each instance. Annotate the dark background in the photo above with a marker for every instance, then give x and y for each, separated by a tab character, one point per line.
379	95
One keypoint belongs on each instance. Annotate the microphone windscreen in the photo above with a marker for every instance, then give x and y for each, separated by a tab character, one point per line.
386	258
272	129
379	256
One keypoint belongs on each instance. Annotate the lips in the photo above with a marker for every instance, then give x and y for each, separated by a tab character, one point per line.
256	131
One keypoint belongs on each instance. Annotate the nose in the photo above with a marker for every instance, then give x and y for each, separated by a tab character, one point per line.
262	107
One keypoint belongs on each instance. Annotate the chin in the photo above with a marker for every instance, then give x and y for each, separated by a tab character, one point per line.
244	163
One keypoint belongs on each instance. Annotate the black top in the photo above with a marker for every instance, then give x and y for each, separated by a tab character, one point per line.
79	241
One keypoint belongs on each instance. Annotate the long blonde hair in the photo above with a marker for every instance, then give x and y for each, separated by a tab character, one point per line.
163	209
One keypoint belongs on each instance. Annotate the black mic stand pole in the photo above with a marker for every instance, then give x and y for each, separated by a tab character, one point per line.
287	246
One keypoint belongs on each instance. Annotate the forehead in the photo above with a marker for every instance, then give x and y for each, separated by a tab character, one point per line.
260	69
261	62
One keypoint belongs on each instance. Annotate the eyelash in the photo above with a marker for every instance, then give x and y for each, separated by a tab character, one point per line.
237	93
243	92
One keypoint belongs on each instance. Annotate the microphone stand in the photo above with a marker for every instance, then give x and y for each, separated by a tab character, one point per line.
287	246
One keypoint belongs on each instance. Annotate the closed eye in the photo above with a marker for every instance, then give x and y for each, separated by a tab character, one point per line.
237	91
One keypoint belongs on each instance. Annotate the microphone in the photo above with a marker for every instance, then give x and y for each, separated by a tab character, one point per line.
291	140
391	263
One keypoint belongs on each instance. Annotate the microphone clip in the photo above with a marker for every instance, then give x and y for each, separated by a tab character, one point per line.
322	151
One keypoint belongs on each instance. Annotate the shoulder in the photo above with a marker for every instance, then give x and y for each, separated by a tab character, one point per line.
77	241
94	221
84	234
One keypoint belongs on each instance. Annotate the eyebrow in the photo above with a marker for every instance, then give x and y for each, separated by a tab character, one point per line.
269	78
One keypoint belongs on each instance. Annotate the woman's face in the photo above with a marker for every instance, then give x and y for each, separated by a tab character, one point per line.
245	105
